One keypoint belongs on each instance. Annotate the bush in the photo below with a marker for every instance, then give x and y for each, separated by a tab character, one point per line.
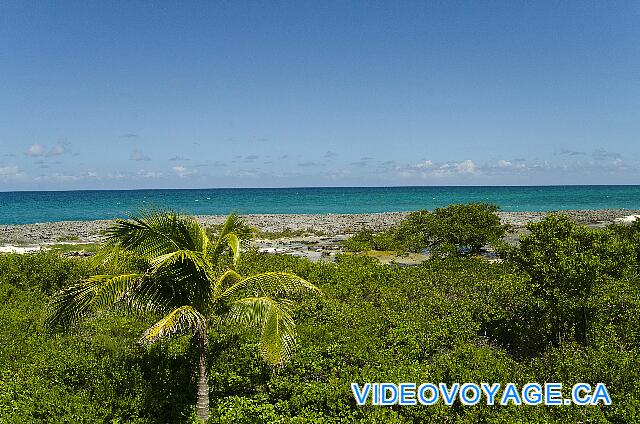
45	271
452	230
467	227
565	261
360	241
631	235
457	319
412	233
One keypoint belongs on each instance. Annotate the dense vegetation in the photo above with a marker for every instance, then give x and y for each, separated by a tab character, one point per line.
564	307
456	229
167	265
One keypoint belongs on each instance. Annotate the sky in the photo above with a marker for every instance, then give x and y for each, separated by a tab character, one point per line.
123	95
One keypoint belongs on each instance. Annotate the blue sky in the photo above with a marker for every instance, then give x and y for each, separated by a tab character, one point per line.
269	94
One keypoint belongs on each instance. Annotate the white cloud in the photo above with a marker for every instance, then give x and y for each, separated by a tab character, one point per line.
337	174
182	172
423	165
604	155
117	176
35	150
58	177
516	164
58	149
452	168
465	167
137	155
566	152
149	174
429	169
9	172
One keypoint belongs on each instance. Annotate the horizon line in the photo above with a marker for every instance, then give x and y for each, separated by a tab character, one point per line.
325	187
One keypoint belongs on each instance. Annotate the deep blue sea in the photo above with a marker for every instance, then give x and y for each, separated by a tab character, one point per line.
44	206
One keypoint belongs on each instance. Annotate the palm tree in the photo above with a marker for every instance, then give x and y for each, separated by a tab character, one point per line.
192	281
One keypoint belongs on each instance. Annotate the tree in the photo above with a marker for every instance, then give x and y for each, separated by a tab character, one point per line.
565	261
447	230
191	281
411	234
469	226
629	233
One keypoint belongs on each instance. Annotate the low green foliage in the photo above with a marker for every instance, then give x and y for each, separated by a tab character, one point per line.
190	281
244	231
565	261
409	235
631	235
453	230
452	319
365	240
470	226
45	271
74	247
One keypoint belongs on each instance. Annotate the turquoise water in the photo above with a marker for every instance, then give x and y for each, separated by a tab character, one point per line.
44	206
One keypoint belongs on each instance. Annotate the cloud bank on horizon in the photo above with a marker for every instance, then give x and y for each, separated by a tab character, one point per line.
95	96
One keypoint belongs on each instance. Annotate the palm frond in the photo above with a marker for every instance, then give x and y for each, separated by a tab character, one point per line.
109	253
116	258
182	319
96	293
158	233
232	223
180	256
229	277
274	284
274	321
234	243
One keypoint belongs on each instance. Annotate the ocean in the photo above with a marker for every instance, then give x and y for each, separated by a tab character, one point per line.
45	206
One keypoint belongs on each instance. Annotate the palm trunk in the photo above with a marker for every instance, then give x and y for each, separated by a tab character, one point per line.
202	402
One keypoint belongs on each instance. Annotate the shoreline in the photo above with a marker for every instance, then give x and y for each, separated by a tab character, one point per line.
332	225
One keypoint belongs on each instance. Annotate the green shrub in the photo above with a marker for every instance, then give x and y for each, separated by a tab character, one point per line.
565	261
456	319
45	271
366	239
407	236
360	241
411	234
447	231
469	226
631	235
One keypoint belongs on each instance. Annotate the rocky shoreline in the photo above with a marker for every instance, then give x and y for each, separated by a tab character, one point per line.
333	227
